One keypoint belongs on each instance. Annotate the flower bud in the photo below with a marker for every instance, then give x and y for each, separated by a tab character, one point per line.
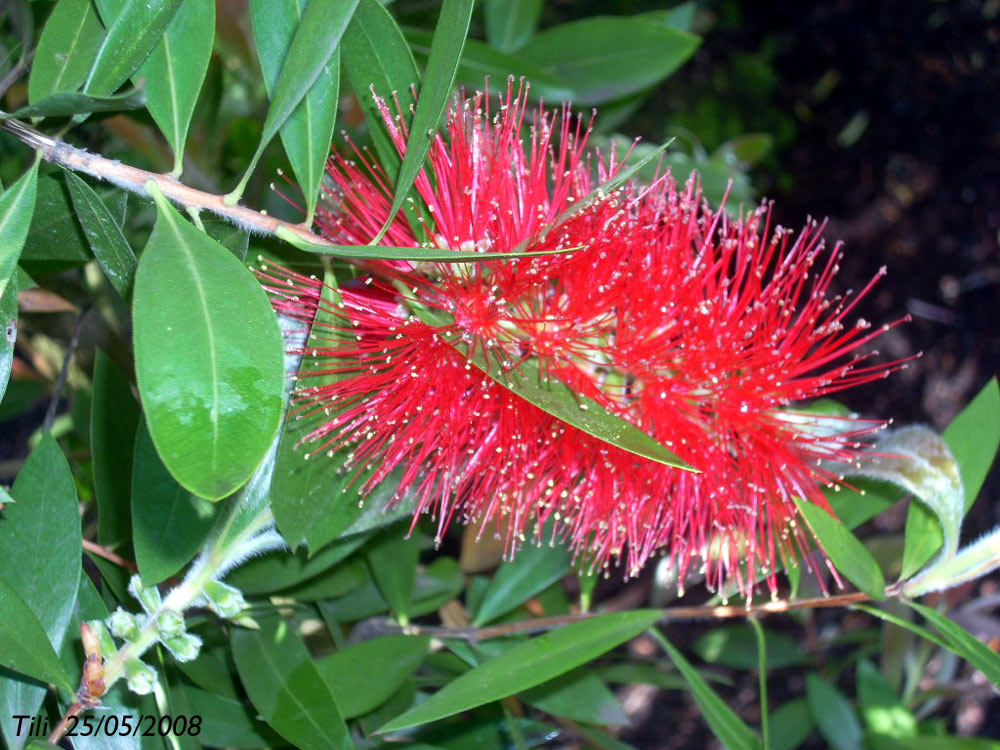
123	624
226	601
184	647
140	677
104	638
170	623
149	597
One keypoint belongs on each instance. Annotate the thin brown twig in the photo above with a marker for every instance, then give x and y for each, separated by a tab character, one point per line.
131	178
102	551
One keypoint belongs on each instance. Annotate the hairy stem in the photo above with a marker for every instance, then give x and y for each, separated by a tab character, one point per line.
130	178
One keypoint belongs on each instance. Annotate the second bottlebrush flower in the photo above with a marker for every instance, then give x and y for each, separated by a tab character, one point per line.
706	332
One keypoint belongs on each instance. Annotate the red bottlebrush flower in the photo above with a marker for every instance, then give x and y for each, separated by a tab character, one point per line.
702	330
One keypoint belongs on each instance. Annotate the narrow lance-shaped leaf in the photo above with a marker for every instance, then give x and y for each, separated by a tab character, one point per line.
175	70
315	41
8	332
286	688
528	664
24	646
439	77
209	359
848	554
66	49
724	722
75	103
393	563
377	59
510	23
307	133
16	207
104	236
131	36
533	570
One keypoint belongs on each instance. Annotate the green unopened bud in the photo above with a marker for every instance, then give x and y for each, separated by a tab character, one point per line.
123	625
170	623
149	597
184	647
104	638
226	601
140	677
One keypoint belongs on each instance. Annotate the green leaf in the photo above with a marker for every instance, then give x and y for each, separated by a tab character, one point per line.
233	238
132	35
209	359
282	570
227	722
73	103
848	555
481	62
385	662
66	49
169	523
309	55
963	643
314	497
834	716
42	549
528	664
511	23
375	54
973	437
607	58
435	92
423	253
943	742
791	725
175	71
286	688
579	695
55	240
104	235
8	332
24	645
392	560
114	417
307	133
722	720
881	709
735	646
533	569
16	207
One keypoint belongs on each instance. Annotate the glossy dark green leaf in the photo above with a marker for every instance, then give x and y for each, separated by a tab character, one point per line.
233	238
42	549
735	646
606	58
580	696
286	688
175	70
376	57
17	203
679	17
963	643
24	645
113	421
307	133
209	358
791	725
309	56
533	569
8	333
435	92
973	437
722	720
833	714
848	555
385	662
281	570
169	523
314	497
422	253
73	103
132	35
481	62
510	23
226	722
104	235
882	711
528	664
643	674
66	49
55	240
392	559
